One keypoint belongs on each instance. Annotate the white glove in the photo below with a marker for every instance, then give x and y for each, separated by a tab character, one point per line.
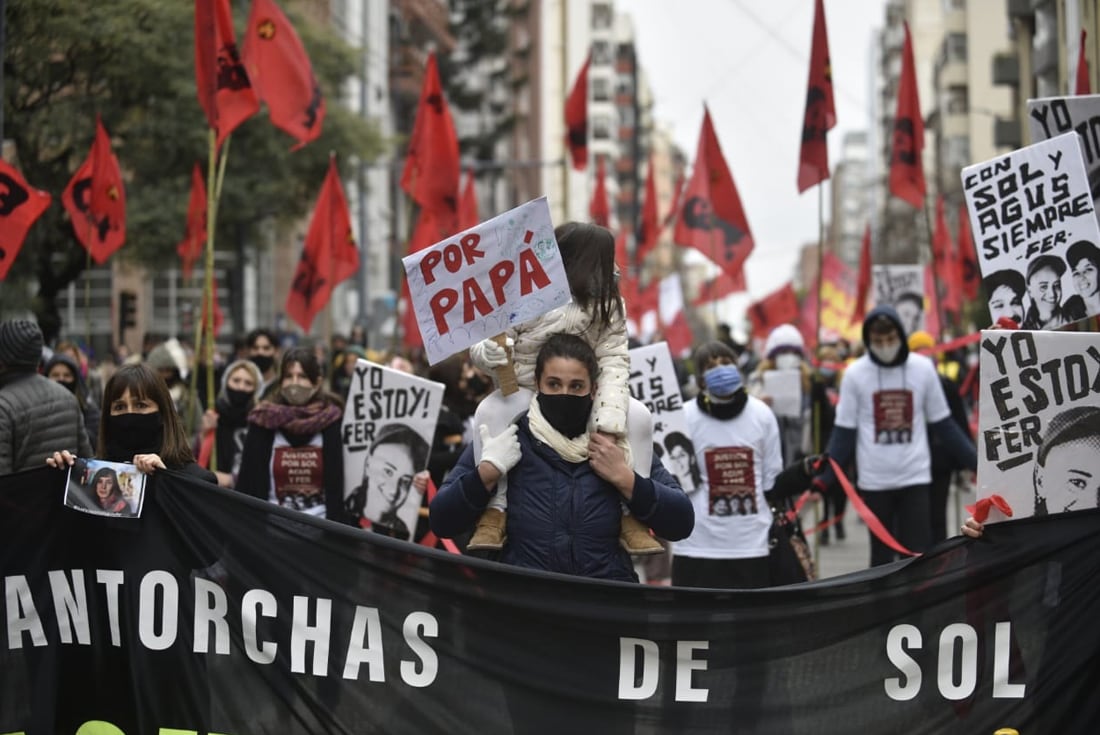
491	354
502	451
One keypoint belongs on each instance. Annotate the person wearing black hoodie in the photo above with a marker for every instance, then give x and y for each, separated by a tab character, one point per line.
889	399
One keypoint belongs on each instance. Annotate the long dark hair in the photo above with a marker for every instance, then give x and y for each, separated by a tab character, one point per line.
588	252
116	489
144	382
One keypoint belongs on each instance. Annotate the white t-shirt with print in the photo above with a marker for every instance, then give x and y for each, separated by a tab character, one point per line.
738	459
890	409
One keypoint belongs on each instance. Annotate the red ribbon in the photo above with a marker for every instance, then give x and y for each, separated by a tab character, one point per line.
868	515
980	510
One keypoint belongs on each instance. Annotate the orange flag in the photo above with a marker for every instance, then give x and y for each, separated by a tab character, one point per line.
576	118
820	116
96	200
330	254
431	170
906	166
194	237
20	206
280	71
225	91
711	218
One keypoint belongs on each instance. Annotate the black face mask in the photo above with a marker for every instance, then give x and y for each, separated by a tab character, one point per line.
567	414
70	384
133	433
238	398
263	362
724	411
477	386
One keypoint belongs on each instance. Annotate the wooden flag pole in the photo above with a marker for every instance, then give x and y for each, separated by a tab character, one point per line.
935	279
506	374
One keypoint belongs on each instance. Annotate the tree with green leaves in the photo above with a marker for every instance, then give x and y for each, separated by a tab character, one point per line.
132	62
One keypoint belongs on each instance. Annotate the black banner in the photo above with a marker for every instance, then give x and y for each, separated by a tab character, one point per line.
218	613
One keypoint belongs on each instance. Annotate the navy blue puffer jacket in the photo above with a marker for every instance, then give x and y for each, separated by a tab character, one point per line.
562	517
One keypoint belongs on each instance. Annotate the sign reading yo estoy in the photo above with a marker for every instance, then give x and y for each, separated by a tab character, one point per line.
504	272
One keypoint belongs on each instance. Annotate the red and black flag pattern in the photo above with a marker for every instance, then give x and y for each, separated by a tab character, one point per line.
906	161
599	208
649	229
863	285
820	116
225	91
576	119
194	237
96	200
20	206
432	168
778	307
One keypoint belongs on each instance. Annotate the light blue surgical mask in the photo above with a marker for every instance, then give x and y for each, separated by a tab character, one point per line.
722	381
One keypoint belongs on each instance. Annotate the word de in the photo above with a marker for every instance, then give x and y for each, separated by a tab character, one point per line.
633	688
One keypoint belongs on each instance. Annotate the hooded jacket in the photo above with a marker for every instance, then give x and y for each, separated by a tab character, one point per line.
890	313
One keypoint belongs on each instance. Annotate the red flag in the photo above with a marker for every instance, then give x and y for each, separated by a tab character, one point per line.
674	205
330	254
778	307
650	228
431	171
906	166
670	312
944	262
280	71
467	206
719	288
96	200
194	237
711	218
863	285
576	119
1082	86
600	206
428	231
20	206
622	257
225	92
969	274
820	116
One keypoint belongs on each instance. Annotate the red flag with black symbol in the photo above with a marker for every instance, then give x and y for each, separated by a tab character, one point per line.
431	173
1082	86
820	116
190	247
429	230
281	73
711	218
778	307
20	206
944	262
225	91
906	166
96	200
674	205
720	287
674	324
467	205
330	254
576	119
650	227
600	206
970	275
863	284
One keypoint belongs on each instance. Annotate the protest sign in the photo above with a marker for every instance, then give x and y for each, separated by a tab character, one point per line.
653	382
223	613
901	286
388	429
504	272
1030	210
115	489
1049	117
784	387
1039	424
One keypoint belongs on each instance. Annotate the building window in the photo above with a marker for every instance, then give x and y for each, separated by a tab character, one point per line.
601	89
601	16
601	53
601	127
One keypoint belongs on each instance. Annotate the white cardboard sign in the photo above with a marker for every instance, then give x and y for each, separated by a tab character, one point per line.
653	382
478	283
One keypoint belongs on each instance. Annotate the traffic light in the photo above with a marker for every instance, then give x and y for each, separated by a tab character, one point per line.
127	311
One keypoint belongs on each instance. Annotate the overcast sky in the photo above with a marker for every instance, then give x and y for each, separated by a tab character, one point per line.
749	61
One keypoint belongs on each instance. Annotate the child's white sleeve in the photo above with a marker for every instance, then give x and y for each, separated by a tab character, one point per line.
612	391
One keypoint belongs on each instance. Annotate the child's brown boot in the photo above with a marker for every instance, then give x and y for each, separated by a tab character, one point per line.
490	532
635	538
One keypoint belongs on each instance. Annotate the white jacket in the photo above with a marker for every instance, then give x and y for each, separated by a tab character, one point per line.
612	356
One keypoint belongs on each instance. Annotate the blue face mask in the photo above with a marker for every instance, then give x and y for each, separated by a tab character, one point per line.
722	381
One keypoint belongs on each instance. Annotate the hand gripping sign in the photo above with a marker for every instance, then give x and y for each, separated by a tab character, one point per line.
480	282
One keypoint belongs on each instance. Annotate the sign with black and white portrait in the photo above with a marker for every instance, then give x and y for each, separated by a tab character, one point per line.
1039	425
653	382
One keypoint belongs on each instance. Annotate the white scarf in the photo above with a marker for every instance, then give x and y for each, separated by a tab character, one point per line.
571	450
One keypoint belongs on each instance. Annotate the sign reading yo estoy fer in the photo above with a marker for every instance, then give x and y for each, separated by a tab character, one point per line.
478	283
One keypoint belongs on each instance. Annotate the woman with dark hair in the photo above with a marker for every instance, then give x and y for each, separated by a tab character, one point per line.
140	426
293	453
681	452
1084	263
597	315
107	493
64	370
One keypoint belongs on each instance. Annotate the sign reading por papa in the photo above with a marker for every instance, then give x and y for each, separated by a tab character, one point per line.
504	272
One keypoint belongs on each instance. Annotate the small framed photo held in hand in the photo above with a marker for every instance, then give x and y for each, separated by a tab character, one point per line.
113	489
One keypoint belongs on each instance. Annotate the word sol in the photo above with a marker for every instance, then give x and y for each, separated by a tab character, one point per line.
956	676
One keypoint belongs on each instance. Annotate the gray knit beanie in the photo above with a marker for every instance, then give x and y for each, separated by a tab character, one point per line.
20	344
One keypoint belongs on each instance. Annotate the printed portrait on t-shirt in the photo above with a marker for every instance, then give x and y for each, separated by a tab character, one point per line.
732	477
893	416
